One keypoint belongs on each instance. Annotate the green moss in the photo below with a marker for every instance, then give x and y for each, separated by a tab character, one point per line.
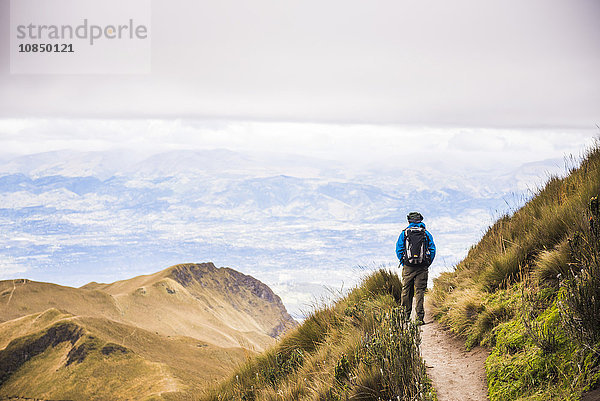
510	337
519	368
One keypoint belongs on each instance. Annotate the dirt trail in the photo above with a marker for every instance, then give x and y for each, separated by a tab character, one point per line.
12	292
457	374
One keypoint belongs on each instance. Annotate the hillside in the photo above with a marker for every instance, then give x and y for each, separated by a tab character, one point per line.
530	290
360	347
164	335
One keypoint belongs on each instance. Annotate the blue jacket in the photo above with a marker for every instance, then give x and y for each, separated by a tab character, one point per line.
400	243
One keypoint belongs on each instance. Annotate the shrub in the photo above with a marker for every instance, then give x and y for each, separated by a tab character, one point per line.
580	295
390	365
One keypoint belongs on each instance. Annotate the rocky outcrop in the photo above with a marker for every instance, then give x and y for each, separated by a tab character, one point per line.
244	292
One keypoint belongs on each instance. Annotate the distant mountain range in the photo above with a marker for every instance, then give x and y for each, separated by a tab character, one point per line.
69	217
170	332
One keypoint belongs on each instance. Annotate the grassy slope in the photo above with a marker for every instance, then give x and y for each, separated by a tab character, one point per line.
358	348
516	291
173	333
219	306
96	358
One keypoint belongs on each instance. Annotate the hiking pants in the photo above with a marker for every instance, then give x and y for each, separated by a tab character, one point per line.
414	283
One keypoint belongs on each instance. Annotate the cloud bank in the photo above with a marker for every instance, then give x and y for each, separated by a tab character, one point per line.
462	63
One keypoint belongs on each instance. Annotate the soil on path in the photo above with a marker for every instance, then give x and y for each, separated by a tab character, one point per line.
457	374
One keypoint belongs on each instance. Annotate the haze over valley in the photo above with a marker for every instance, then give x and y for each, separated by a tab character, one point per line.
301	224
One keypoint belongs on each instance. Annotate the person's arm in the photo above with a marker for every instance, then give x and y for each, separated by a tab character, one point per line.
431	246
400	247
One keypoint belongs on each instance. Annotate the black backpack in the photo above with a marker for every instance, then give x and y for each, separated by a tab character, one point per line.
416	247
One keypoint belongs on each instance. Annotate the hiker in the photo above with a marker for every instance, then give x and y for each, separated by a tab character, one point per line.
416	251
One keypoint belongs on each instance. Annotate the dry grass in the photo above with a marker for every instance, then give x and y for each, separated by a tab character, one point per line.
552	265
531	290
182	328
359	348
220	310
532	240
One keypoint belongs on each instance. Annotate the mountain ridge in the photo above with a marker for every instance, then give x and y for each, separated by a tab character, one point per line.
170	332
187	283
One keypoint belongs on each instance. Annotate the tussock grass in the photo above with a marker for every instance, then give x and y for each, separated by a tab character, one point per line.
359	348
531	290
461	314
552	265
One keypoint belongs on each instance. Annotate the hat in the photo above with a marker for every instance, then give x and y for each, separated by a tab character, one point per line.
414	217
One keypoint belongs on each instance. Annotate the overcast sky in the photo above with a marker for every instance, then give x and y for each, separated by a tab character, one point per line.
509	63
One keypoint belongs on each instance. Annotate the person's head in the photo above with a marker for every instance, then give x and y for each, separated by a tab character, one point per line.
414	217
